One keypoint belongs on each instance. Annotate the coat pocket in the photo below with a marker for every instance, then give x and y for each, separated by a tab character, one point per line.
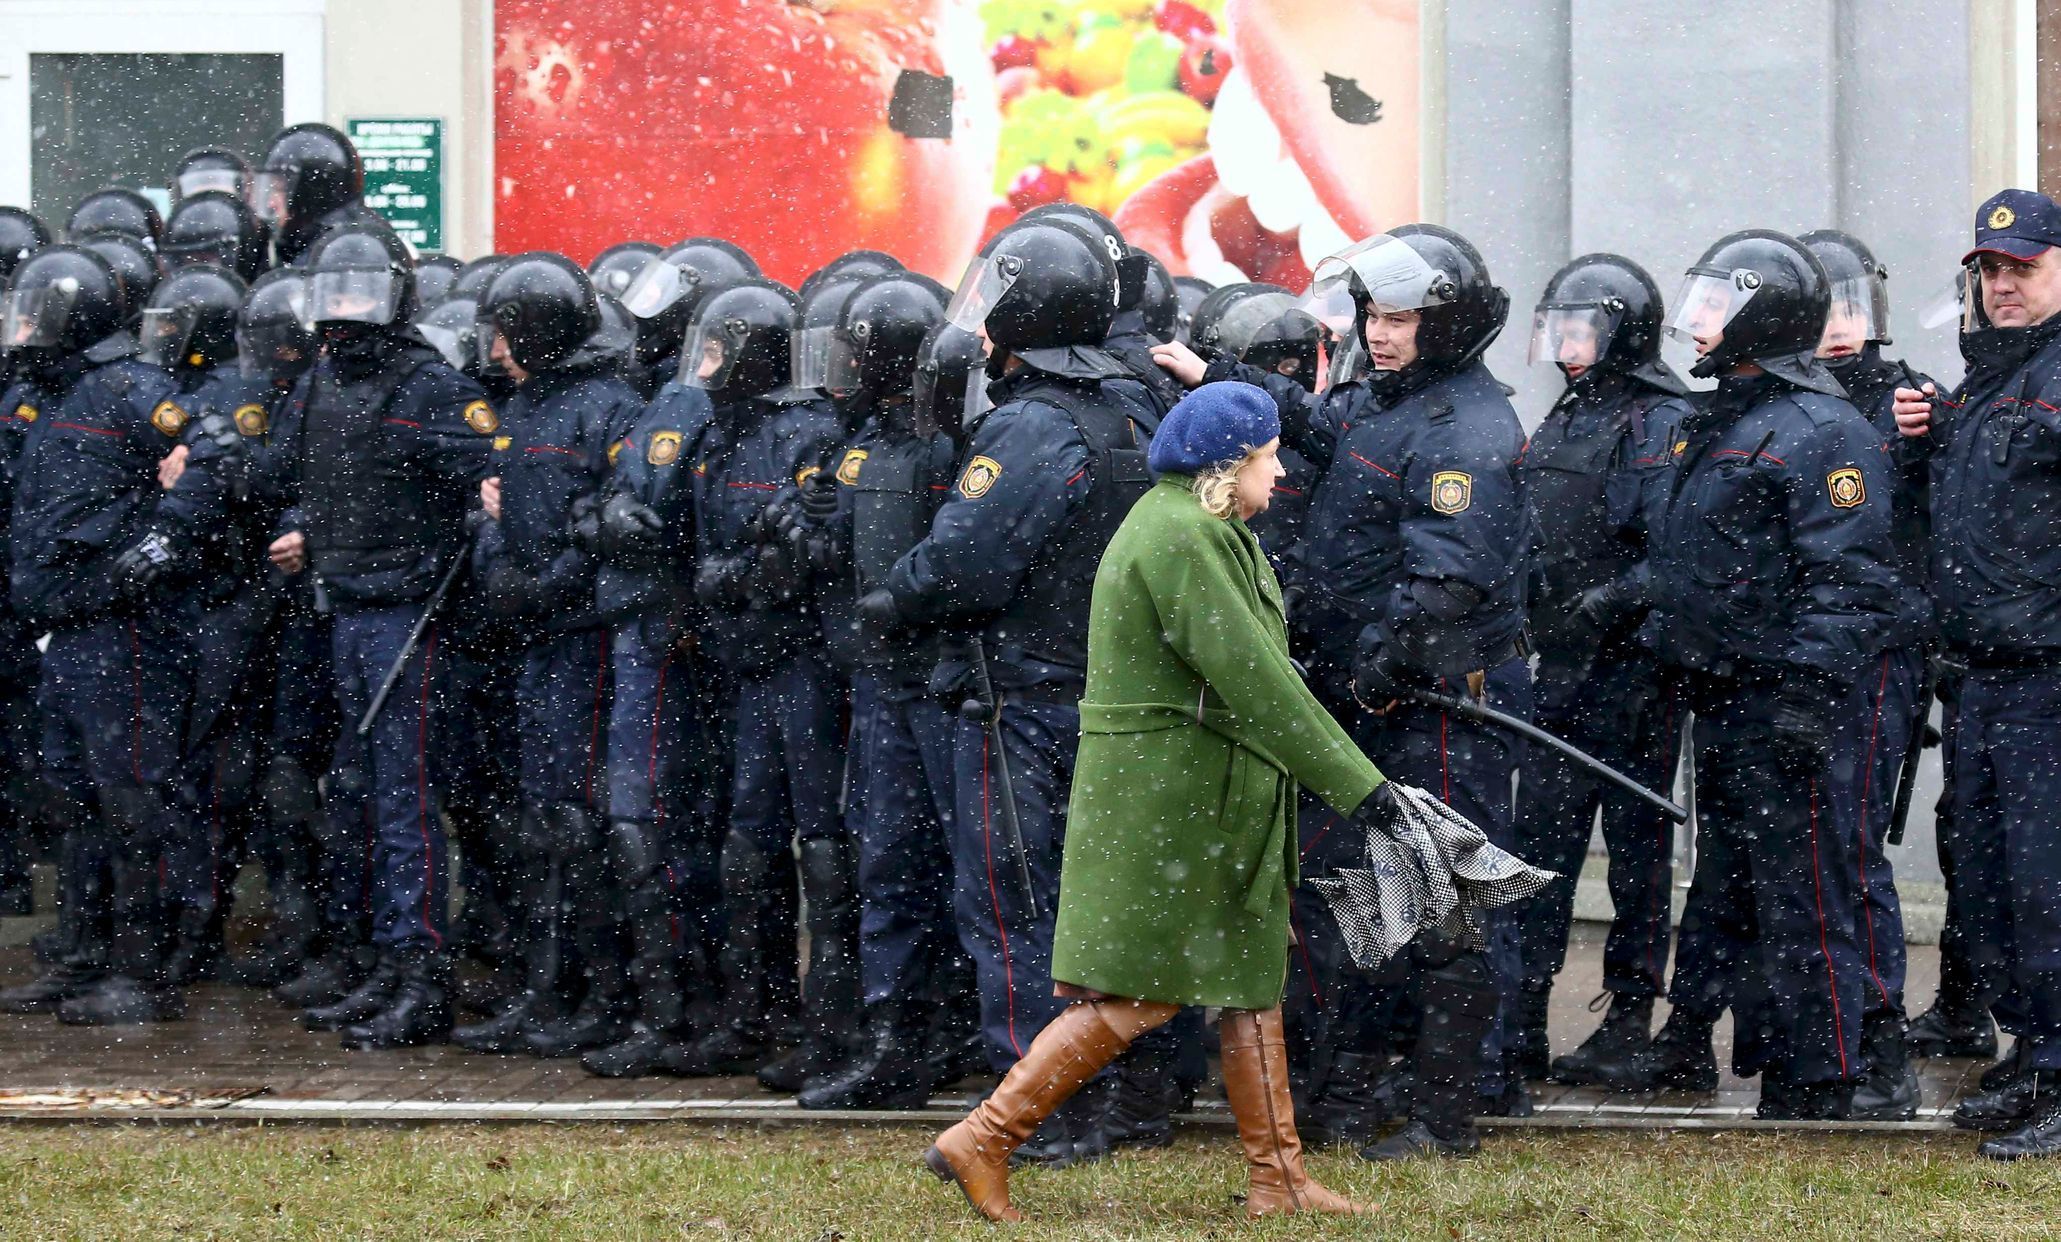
1250	789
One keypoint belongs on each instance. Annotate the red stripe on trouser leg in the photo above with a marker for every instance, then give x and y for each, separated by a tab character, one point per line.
429	865
987	841
1861	829
1824	939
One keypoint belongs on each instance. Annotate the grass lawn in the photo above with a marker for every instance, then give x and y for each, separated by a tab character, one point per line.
691	1182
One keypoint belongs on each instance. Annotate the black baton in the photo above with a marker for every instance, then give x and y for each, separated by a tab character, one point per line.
1914	749
986	707
429	614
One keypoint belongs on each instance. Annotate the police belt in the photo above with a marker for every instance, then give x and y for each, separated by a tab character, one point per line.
1991	659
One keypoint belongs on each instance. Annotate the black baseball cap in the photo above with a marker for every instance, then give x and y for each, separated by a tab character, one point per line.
2021	224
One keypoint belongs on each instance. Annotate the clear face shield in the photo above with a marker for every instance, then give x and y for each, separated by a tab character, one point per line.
712	353
484	333
1709	300
1386	271
272	348
200	180
37	318
270	192
986	282
1571	336
451	331
657	286
942	400
822	358
220	251
354	295
1954	304
164	334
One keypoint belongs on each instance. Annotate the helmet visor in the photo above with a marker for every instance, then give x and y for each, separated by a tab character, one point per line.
165	333
354	295
1384	271
270	191
1709	300
656	287
454	343
985	283
1348	359
36	318
711	355
1571	336
818	354
220	251
200	180
1953	304
1246	322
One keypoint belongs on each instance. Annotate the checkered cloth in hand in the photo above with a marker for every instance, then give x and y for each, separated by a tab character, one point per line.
1437	871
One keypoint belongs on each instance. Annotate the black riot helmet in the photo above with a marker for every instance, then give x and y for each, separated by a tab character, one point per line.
614	268
1188	294
1417	267
1040	286
273	341
434	276
1209	312
212	226
951	385
359	275
136	268
190	319
452	327
1859	284
543	306
1267	327
1100	229
1602	311
851	265
116	209
309	170
613	344
475	276
205	169
1158	301
885	323
815	338
1764	294
738	345
21	235
60	299
668	296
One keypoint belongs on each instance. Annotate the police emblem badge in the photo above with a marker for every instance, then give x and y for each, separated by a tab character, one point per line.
1452	491
979	477
664	450
1846	487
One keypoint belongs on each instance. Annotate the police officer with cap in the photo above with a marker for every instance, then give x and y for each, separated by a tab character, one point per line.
1996	572
383	449
310	184
1005	573
1773	592
1603	446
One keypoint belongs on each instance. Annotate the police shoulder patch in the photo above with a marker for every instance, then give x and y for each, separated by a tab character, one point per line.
481	418
979	477
1846	487
251	420
803	475
848	469
1452	491
664	448
25	412
168	418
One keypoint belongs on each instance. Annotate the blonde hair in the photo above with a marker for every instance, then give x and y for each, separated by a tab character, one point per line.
1217	487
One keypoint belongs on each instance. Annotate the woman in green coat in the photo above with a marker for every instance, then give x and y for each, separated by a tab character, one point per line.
1196	732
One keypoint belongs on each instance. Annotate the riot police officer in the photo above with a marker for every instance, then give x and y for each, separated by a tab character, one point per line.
1996	560
1130	338
135	264
435	275
210	169
1005	574
214	227
665	299
312	183
116	209
1773	591
382	451
21	235
1416	552
96	538
1605	443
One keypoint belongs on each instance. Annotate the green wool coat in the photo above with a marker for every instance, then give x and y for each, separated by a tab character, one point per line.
1195	733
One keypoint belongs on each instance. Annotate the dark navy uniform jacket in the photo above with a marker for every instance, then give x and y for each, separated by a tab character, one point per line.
899	479
1417	535
747	455
559	427
1996	499
1771	551
1871	382
227	415
1002	534
649	463
436	434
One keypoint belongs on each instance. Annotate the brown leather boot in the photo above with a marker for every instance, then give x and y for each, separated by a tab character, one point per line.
1066	1054
1256	1083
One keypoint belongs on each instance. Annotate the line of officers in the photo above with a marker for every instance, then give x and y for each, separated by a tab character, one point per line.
701	611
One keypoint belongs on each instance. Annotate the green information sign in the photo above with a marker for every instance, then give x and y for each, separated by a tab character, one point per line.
404	175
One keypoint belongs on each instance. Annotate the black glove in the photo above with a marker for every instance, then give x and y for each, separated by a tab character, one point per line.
1605	606
1802	734
719	581
584	527
629	529
1380	675
144	563
1382	810
512	595
819	498
877	608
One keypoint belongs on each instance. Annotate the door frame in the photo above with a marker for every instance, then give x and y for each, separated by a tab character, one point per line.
291	29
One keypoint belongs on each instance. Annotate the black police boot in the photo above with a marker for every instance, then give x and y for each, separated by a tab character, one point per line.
46	991
2041	1136
17	897
1459	1006
954	1047
135	989
2014	1064
888	1070
830	991
374	993
1888	1089
196	945
2011	1105
48	947
507	1032
1531	1051
1948	1031
289	941
655	971
1140	1109
1625	1032
602	1018
1680	1058
328	978
1783	1100
738	1041
1350	1105
118	1000
420	1012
